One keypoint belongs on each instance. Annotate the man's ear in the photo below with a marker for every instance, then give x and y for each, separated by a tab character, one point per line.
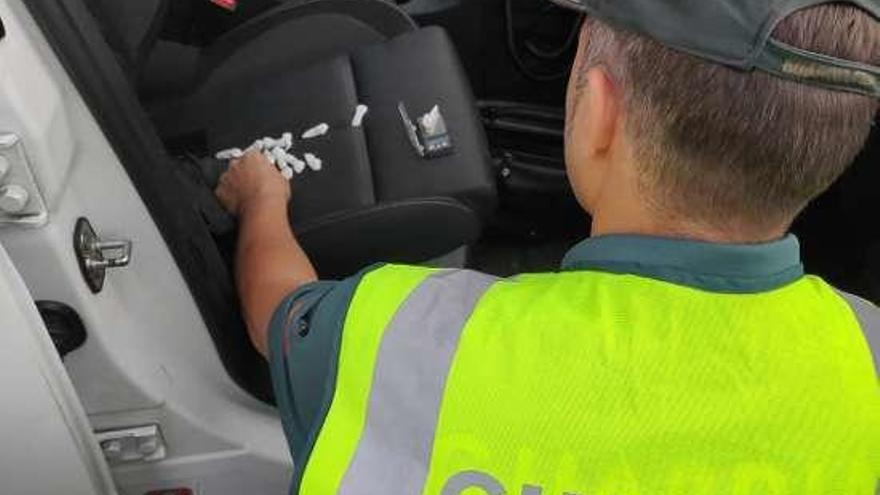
602	111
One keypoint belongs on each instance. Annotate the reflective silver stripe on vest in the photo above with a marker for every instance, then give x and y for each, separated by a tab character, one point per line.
394	452
869	319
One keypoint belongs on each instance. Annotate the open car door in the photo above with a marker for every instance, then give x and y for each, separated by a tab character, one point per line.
166	413
47	446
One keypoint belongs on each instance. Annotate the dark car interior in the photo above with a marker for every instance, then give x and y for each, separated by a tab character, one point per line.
174	81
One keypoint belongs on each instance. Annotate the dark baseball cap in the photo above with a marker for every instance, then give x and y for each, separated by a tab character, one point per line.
737	33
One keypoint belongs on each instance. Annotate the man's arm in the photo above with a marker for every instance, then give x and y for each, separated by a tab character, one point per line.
270	264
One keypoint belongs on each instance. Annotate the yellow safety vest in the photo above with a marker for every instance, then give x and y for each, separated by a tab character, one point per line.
591	383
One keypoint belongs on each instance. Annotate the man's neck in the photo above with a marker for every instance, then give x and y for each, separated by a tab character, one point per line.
622	207
678	228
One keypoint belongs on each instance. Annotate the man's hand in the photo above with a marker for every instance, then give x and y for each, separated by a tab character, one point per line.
249	181
270	264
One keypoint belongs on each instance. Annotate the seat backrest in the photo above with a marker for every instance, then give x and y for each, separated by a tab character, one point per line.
131	27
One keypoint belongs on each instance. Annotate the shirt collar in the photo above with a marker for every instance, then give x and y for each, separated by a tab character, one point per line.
729	268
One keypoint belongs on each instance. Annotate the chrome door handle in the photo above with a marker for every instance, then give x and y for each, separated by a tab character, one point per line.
95	255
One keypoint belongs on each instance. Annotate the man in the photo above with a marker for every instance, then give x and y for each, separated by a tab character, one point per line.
681	349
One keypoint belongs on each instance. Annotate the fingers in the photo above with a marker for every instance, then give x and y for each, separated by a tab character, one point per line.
252	177
254	156
226	195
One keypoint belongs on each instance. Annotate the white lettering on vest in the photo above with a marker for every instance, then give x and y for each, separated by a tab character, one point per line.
460	482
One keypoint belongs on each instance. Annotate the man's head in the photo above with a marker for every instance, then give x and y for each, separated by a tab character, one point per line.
703	146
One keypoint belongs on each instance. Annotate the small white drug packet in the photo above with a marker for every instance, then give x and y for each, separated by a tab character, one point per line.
255	146
298	165
313	162
359	115
317	131
229	154
280	157
269	156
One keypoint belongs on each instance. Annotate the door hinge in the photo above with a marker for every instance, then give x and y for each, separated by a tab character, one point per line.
135	444
20	199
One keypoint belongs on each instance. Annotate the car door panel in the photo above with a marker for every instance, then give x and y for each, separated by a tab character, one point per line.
47	444
148	358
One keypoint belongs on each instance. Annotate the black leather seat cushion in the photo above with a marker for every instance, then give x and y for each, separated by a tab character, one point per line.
294	101
375	163
421	69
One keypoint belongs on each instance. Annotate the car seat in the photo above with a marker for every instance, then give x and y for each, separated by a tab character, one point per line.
305	63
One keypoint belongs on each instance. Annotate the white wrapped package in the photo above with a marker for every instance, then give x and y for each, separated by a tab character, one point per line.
230	154
280	156
298	165
255	146
431	120
277	151
269	156
287	163
313	162
317	131
359	114
270	143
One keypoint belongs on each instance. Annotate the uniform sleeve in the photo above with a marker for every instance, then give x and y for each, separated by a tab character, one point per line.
304	339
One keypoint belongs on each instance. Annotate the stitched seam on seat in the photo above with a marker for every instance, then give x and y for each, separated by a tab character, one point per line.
334	218
363	130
